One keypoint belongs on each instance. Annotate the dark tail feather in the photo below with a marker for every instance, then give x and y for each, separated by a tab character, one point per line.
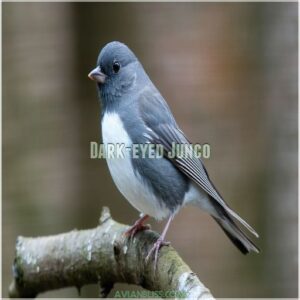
235	234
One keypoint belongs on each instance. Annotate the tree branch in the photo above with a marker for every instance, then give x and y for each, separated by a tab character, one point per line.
101	255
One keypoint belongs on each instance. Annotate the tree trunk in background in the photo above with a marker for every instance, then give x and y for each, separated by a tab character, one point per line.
39	122
281	119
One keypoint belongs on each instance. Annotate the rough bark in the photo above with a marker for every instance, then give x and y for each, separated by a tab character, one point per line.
101	255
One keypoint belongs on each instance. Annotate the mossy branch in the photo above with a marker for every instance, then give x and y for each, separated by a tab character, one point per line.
101	255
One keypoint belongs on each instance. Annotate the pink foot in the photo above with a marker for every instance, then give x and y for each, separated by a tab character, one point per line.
137	226
157	245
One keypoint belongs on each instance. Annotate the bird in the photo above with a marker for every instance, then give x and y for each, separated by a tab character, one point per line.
135	112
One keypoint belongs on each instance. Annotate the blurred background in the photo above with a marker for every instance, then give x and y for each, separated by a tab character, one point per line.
229	74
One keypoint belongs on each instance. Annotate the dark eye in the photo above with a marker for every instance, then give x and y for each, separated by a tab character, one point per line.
116	67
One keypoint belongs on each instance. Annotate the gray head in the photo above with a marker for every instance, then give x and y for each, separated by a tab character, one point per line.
115	72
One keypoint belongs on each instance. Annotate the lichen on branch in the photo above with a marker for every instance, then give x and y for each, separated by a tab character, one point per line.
104	256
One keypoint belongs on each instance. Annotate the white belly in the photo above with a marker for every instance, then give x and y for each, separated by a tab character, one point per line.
121	170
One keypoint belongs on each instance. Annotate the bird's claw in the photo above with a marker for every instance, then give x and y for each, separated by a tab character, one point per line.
155	248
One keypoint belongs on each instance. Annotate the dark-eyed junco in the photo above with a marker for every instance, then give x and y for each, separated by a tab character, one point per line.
134	112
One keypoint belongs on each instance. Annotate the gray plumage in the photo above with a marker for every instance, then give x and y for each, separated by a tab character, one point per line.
131	101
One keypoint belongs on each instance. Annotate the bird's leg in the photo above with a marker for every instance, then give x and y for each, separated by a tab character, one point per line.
159	243
137	226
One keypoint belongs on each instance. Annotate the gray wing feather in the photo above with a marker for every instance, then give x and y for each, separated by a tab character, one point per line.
163	130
